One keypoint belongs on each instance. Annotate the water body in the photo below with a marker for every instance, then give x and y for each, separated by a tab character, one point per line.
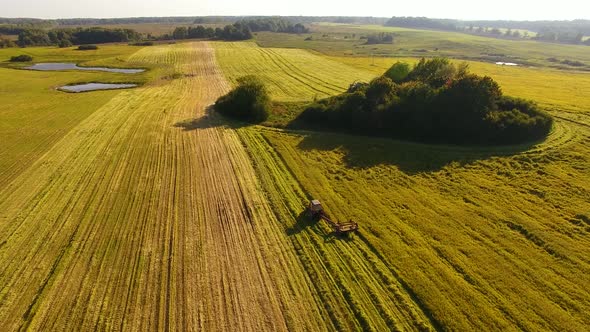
506	63
72	66
95	86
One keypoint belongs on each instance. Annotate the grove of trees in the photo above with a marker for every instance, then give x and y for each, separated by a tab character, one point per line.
273	24
236	31
248	101
78	36
435	101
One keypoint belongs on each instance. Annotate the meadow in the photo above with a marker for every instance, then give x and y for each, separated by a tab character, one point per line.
144	210
478	238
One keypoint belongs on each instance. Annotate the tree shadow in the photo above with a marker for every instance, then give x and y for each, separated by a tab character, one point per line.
411	158
210	119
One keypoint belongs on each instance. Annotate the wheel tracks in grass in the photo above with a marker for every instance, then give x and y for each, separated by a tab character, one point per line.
339	261
96	186
288	67
291	75
35	206
132	253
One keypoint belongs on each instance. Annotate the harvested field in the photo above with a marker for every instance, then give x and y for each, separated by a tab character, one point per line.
135	221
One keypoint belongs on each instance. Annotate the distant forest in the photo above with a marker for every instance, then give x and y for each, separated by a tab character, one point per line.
571	32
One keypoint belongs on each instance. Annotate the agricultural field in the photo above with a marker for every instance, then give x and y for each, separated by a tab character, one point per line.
481	238
143	209
291	74
345	40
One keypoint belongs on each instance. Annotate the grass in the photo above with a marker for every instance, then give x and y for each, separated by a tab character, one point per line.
463	238
290	74
479	240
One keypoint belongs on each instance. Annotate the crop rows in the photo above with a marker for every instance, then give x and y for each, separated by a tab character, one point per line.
291	74
135	221
491	244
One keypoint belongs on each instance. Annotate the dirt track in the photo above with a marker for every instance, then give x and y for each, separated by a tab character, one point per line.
140	220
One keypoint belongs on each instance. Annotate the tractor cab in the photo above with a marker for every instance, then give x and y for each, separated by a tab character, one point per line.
315	207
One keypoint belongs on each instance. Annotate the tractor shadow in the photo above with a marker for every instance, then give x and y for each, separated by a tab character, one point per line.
304	221
360	152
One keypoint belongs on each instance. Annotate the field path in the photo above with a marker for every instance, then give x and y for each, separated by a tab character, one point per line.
146	216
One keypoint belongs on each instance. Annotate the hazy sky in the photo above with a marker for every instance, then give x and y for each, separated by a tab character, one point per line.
462	9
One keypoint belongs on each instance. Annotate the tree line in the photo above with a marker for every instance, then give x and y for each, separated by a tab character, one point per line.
77	36
435	101
236	31
274	24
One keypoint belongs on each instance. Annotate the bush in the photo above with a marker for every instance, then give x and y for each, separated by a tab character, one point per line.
144	43
21	58
87	47
398	72
249	101
64	43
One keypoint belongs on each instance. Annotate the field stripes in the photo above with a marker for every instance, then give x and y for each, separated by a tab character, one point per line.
489	244
132	222
290	74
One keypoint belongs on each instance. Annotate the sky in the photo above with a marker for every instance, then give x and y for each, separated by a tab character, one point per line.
458	9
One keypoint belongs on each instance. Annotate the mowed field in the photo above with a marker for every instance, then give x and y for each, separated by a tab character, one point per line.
482	238
148	212
144	216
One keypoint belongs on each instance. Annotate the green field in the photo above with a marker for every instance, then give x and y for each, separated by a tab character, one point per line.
482	238
142	210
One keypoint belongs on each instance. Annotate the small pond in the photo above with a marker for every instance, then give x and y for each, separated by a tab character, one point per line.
95	86
73	66
506	64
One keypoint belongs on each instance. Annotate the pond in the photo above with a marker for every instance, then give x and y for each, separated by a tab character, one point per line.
506	64
95	86
73	66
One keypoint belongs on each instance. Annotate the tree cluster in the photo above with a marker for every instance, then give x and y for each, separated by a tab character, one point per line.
422	23
435	101
380	38
21	58
78	36
236	31
274	24
5	42
560	35
248	101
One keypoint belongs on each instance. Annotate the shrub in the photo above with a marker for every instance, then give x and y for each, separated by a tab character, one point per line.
249	101
64	43
398	72
144	43
21	58
87	47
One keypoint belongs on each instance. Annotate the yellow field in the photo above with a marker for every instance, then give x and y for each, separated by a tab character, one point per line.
139	220
141	210
291	74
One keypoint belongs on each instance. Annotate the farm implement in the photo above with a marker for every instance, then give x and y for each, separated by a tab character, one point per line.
316	211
